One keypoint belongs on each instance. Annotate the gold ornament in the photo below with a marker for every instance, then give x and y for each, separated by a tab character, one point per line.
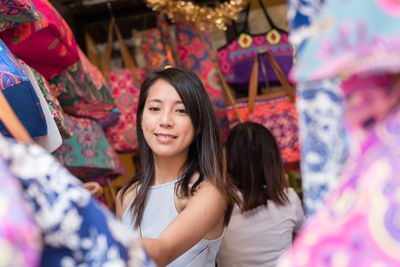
203	16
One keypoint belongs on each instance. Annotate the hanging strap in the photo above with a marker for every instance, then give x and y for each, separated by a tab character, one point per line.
12	123
273	26
246	18
253	83
281	76
126	56
225	86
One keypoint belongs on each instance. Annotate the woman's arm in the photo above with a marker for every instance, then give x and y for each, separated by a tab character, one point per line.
202	217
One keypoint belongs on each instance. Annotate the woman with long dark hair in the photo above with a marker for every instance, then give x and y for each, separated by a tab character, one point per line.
268	213
178	202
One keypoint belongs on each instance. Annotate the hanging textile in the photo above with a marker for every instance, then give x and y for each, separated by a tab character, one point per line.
358	224
320	109
83	91
236	58
20	94
20	240
351	43
54	105
52	140
156	47
76	229
16	12
301	16
323	147
193	56
54	44
87	154
125	88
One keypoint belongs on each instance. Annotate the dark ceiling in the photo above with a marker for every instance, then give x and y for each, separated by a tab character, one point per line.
94	18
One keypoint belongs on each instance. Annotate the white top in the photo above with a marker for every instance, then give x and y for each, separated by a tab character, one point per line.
260	236
160	211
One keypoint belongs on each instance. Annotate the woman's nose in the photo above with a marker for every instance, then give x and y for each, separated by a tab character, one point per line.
166	120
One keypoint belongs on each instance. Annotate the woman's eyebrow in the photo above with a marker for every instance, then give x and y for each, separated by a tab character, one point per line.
160	101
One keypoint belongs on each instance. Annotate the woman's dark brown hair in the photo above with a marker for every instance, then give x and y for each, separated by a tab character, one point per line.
254	163
205	151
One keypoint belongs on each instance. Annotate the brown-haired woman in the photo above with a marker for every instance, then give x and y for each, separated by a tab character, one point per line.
262	226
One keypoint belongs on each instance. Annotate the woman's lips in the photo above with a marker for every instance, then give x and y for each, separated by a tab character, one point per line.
165	138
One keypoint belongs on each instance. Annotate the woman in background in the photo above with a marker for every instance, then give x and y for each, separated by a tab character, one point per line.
269	213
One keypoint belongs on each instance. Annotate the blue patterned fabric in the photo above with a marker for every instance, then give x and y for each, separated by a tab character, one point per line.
76	229
301	14
20	94
323	148
320	109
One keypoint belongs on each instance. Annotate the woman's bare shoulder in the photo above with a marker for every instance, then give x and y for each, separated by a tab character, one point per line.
124	198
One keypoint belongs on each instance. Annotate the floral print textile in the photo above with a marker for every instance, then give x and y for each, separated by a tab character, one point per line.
76	229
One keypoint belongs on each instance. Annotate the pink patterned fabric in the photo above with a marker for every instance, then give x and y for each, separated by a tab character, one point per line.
122	134
359	224
194	57
279	116
51	38
20	238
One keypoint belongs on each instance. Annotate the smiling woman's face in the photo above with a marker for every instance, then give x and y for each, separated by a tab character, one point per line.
166	125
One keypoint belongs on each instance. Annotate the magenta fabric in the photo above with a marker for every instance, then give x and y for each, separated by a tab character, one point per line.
194	57
47	45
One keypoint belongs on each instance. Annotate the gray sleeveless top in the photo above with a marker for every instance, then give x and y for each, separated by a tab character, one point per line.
160	211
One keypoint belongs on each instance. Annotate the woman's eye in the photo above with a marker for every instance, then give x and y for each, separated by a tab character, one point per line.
181	110
154	108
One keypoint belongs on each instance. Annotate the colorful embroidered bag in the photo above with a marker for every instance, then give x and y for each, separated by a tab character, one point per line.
83	91
16	12
87	154
156	47
194	56
275	111
51	38
277	114
125	88
20	94
237	57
